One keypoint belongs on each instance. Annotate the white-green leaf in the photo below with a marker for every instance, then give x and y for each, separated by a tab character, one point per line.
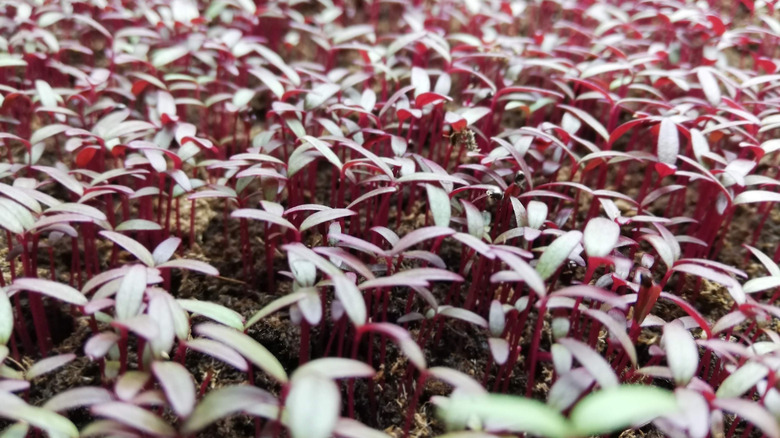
570	386
20	196
8	60
590	120
177	384
163	57
699	144
524	271
765	260
6	318
499	348
248	347
304	271
78	397
402	41
47	131
134	416
313	406
557	253
191	265
48	364
54	289
301	252
49	98
130	295
439	205
709	85
242	97
262	215
421	81
165	250
9	219
597	366
324	149
682	354
668	141
15	408
15	218
754	196
275	59
352	299
513	414
496	318
214	311
405	342
270	80
219	351
319	95
249	6
131	246
535	215
473	115
741	380
225	401
760	284
18	430
82	209
752	412
463	315
617	329
627	406
474	220
336	368
600	236
459	380
275	305
325	216
662	248
349	428
138	225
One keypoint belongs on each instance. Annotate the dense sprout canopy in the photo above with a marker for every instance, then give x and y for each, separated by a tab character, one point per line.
404	218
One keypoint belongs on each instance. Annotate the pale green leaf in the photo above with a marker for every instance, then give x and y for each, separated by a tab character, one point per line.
628	405
15	408
6	318
557	253
313	406
248	347
214	311
177	384
223	402
513	414
439	205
